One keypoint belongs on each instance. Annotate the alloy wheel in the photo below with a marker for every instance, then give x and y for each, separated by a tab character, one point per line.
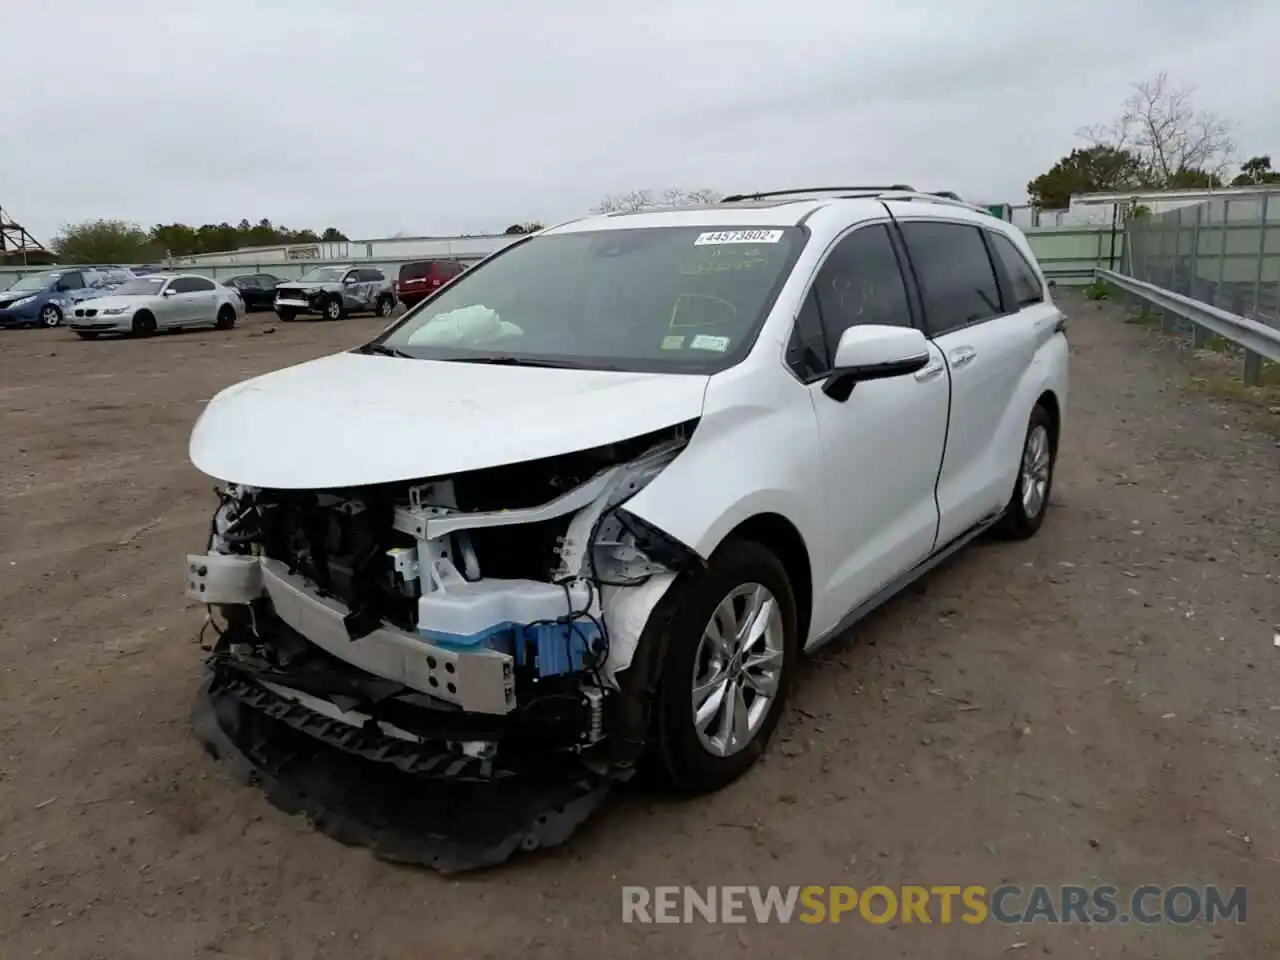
737	668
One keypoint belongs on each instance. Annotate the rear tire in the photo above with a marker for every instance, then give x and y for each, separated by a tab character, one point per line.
1029	501
384	307
144	324
226	318
745	598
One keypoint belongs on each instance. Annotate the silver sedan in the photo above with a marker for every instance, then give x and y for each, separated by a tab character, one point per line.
159	301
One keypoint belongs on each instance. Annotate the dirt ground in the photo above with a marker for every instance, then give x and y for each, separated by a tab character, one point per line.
1097	705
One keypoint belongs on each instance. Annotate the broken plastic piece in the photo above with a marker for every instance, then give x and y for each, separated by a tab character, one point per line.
450	826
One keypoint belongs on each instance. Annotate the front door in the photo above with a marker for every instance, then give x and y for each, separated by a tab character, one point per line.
882	446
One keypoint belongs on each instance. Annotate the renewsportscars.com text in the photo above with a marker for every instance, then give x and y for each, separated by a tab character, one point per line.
941	904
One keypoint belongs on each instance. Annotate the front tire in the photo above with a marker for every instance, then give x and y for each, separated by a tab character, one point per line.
226	318
144	324
333	309
1030	499
731	649
50	315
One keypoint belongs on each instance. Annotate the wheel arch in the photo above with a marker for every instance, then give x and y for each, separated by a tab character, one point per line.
781	537
1049	400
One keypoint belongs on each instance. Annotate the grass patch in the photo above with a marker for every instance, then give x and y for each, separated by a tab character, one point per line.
1216	343
1262	402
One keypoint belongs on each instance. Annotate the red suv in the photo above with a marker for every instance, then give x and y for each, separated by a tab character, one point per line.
423	277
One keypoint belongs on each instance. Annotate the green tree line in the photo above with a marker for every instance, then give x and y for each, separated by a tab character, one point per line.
119	241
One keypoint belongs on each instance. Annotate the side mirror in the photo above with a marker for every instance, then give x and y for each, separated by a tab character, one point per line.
349	281
874	352
169	293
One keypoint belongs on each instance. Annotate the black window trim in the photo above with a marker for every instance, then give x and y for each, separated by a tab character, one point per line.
1003	273
213	285
905	270
1003	284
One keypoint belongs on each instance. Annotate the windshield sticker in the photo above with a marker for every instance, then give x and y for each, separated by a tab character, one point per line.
672	343
705	342
737	236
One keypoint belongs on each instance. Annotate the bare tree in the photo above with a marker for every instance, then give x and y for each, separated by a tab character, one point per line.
1161	127
637	200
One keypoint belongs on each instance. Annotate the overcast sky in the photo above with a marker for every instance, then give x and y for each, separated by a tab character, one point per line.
430	117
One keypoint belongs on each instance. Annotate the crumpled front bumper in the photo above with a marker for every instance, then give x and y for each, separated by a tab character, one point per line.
478	680
448	824
371	739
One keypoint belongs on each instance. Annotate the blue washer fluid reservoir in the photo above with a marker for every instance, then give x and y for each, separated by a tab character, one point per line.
550	648
557	648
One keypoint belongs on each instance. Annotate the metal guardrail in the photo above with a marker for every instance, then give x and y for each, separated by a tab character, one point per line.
1258	340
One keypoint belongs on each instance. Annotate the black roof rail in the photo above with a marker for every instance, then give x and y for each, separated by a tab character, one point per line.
764	194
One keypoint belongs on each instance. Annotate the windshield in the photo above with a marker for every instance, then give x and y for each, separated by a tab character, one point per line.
35	281
679	299
324	274
140	287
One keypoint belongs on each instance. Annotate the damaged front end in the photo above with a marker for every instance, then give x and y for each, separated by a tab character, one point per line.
445	670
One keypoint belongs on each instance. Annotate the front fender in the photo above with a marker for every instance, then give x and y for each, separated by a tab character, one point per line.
755	450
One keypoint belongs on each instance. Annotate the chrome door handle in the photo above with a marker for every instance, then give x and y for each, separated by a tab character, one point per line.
962	356
928	373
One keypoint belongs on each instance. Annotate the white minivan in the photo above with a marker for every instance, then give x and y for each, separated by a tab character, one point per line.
591	500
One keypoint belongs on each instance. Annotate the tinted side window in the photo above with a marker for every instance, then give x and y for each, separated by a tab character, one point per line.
1026	285
267	280
199	284
861	283
807	350
71	281
371	275
181	285
957	281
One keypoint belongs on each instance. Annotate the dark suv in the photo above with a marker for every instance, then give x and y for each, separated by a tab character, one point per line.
257	290
424	277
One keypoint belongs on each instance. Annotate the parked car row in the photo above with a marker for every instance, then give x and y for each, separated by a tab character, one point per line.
46	298
146	299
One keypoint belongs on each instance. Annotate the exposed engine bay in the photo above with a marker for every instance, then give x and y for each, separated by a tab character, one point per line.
493	637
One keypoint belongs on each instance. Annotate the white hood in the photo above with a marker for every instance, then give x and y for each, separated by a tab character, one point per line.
351	419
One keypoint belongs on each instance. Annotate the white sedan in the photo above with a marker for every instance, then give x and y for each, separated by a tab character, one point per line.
160	301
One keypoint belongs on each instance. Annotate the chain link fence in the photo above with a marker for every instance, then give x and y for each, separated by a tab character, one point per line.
1221	252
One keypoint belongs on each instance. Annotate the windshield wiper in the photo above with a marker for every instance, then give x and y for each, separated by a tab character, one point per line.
382	350
508	361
